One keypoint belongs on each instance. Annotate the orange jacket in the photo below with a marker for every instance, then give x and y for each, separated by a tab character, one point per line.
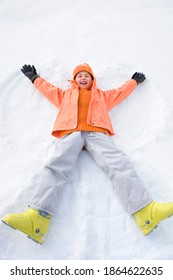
67	102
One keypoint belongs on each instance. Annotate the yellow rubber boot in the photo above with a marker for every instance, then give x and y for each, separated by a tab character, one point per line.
29	222
151	215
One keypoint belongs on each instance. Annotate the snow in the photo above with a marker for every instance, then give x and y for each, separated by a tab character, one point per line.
116	38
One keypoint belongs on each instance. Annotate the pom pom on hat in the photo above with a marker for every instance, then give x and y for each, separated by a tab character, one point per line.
82	67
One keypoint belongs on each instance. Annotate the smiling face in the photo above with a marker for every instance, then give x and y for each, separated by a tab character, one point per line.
83	79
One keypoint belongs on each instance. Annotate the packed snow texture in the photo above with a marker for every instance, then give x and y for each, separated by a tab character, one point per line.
117	38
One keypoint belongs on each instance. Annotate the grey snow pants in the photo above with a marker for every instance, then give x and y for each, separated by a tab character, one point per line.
131	192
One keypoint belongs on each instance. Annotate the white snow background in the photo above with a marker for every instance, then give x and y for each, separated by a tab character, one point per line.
117	38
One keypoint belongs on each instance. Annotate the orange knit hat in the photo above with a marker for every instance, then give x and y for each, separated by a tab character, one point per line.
82	67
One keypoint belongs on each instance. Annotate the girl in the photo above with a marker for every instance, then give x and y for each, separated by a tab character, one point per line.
83	122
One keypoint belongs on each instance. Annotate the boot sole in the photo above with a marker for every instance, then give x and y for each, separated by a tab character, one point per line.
22	232
8	224
151	230
34	240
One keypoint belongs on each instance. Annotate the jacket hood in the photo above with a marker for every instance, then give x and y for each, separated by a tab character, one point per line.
83	67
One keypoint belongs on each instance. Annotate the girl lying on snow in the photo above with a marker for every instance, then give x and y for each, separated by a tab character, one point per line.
83	121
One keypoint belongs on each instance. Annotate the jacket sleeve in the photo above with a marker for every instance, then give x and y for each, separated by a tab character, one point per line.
115	96
51	92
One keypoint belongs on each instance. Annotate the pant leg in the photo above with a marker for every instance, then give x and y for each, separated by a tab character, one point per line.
55	173
130	190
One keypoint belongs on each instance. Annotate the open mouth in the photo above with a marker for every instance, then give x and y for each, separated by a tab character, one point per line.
84	83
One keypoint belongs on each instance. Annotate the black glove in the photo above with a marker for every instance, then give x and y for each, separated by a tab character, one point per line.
138	77
30	72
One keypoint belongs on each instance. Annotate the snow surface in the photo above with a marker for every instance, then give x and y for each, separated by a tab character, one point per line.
116	38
